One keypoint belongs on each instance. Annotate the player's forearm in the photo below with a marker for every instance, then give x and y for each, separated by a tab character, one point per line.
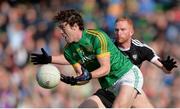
100	72
158	64
59	60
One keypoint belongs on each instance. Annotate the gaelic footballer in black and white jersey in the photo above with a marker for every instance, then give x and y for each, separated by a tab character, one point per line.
139	52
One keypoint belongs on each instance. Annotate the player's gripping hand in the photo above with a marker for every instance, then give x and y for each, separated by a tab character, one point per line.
169	63
43	58
85	76
79	80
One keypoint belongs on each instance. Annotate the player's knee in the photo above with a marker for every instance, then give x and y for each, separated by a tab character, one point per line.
142	101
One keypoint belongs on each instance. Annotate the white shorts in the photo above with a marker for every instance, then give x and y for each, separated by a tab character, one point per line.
132	78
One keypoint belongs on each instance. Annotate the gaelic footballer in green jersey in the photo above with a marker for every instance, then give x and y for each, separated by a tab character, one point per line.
93	44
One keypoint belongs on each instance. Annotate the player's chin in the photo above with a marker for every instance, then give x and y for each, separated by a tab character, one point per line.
121	41
68	41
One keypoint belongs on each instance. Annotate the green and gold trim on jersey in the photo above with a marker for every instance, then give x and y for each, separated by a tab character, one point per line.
103	55
76	65
102	39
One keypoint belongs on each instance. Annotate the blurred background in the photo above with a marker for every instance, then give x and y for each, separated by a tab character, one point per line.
27	25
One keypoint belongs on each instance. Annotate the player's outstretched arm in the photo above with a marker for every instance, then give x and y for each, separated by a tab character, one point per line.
44	58
60	59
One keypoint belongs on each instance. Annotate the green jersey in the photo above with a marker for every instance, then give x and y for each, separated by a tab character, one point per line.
93	44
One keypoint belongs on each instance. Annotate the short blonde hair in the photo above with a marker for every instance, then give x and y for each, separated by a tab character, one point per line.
124	18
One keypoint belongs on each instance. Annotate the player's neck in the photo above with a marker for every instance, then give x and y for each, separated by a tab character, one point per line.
125	45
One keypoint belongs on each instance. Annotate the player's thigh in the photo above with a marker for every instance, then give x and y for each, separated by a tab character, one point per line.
127	87
92	102
142	101
125	97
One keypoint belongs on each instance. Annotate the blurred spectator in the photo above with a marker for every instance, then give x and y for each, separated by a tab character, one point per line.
114	9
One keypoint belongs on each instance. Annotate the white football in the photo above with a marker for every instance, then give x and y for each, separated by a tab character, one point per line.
48	76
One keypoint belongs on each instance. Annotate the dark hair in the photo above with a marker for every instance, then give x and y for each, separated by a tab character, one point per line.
71	17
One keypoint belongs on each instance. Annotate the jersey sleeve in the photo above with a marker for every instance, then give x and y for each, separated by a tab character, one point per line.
101	44
148	53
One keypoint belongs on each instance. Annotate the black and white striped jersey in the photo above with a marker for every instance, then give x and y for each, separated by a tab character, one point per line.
139	52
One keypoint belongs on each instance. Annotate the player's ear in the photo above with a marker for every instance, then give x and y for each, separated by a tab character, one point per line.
132	32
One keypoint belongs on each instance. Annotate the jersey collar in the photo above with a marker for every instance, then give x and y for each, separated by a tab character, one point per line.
123	49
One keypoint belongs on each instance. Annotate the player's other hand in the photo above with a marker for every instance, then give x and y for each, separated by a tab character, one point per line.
169	63
68	80
43	58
